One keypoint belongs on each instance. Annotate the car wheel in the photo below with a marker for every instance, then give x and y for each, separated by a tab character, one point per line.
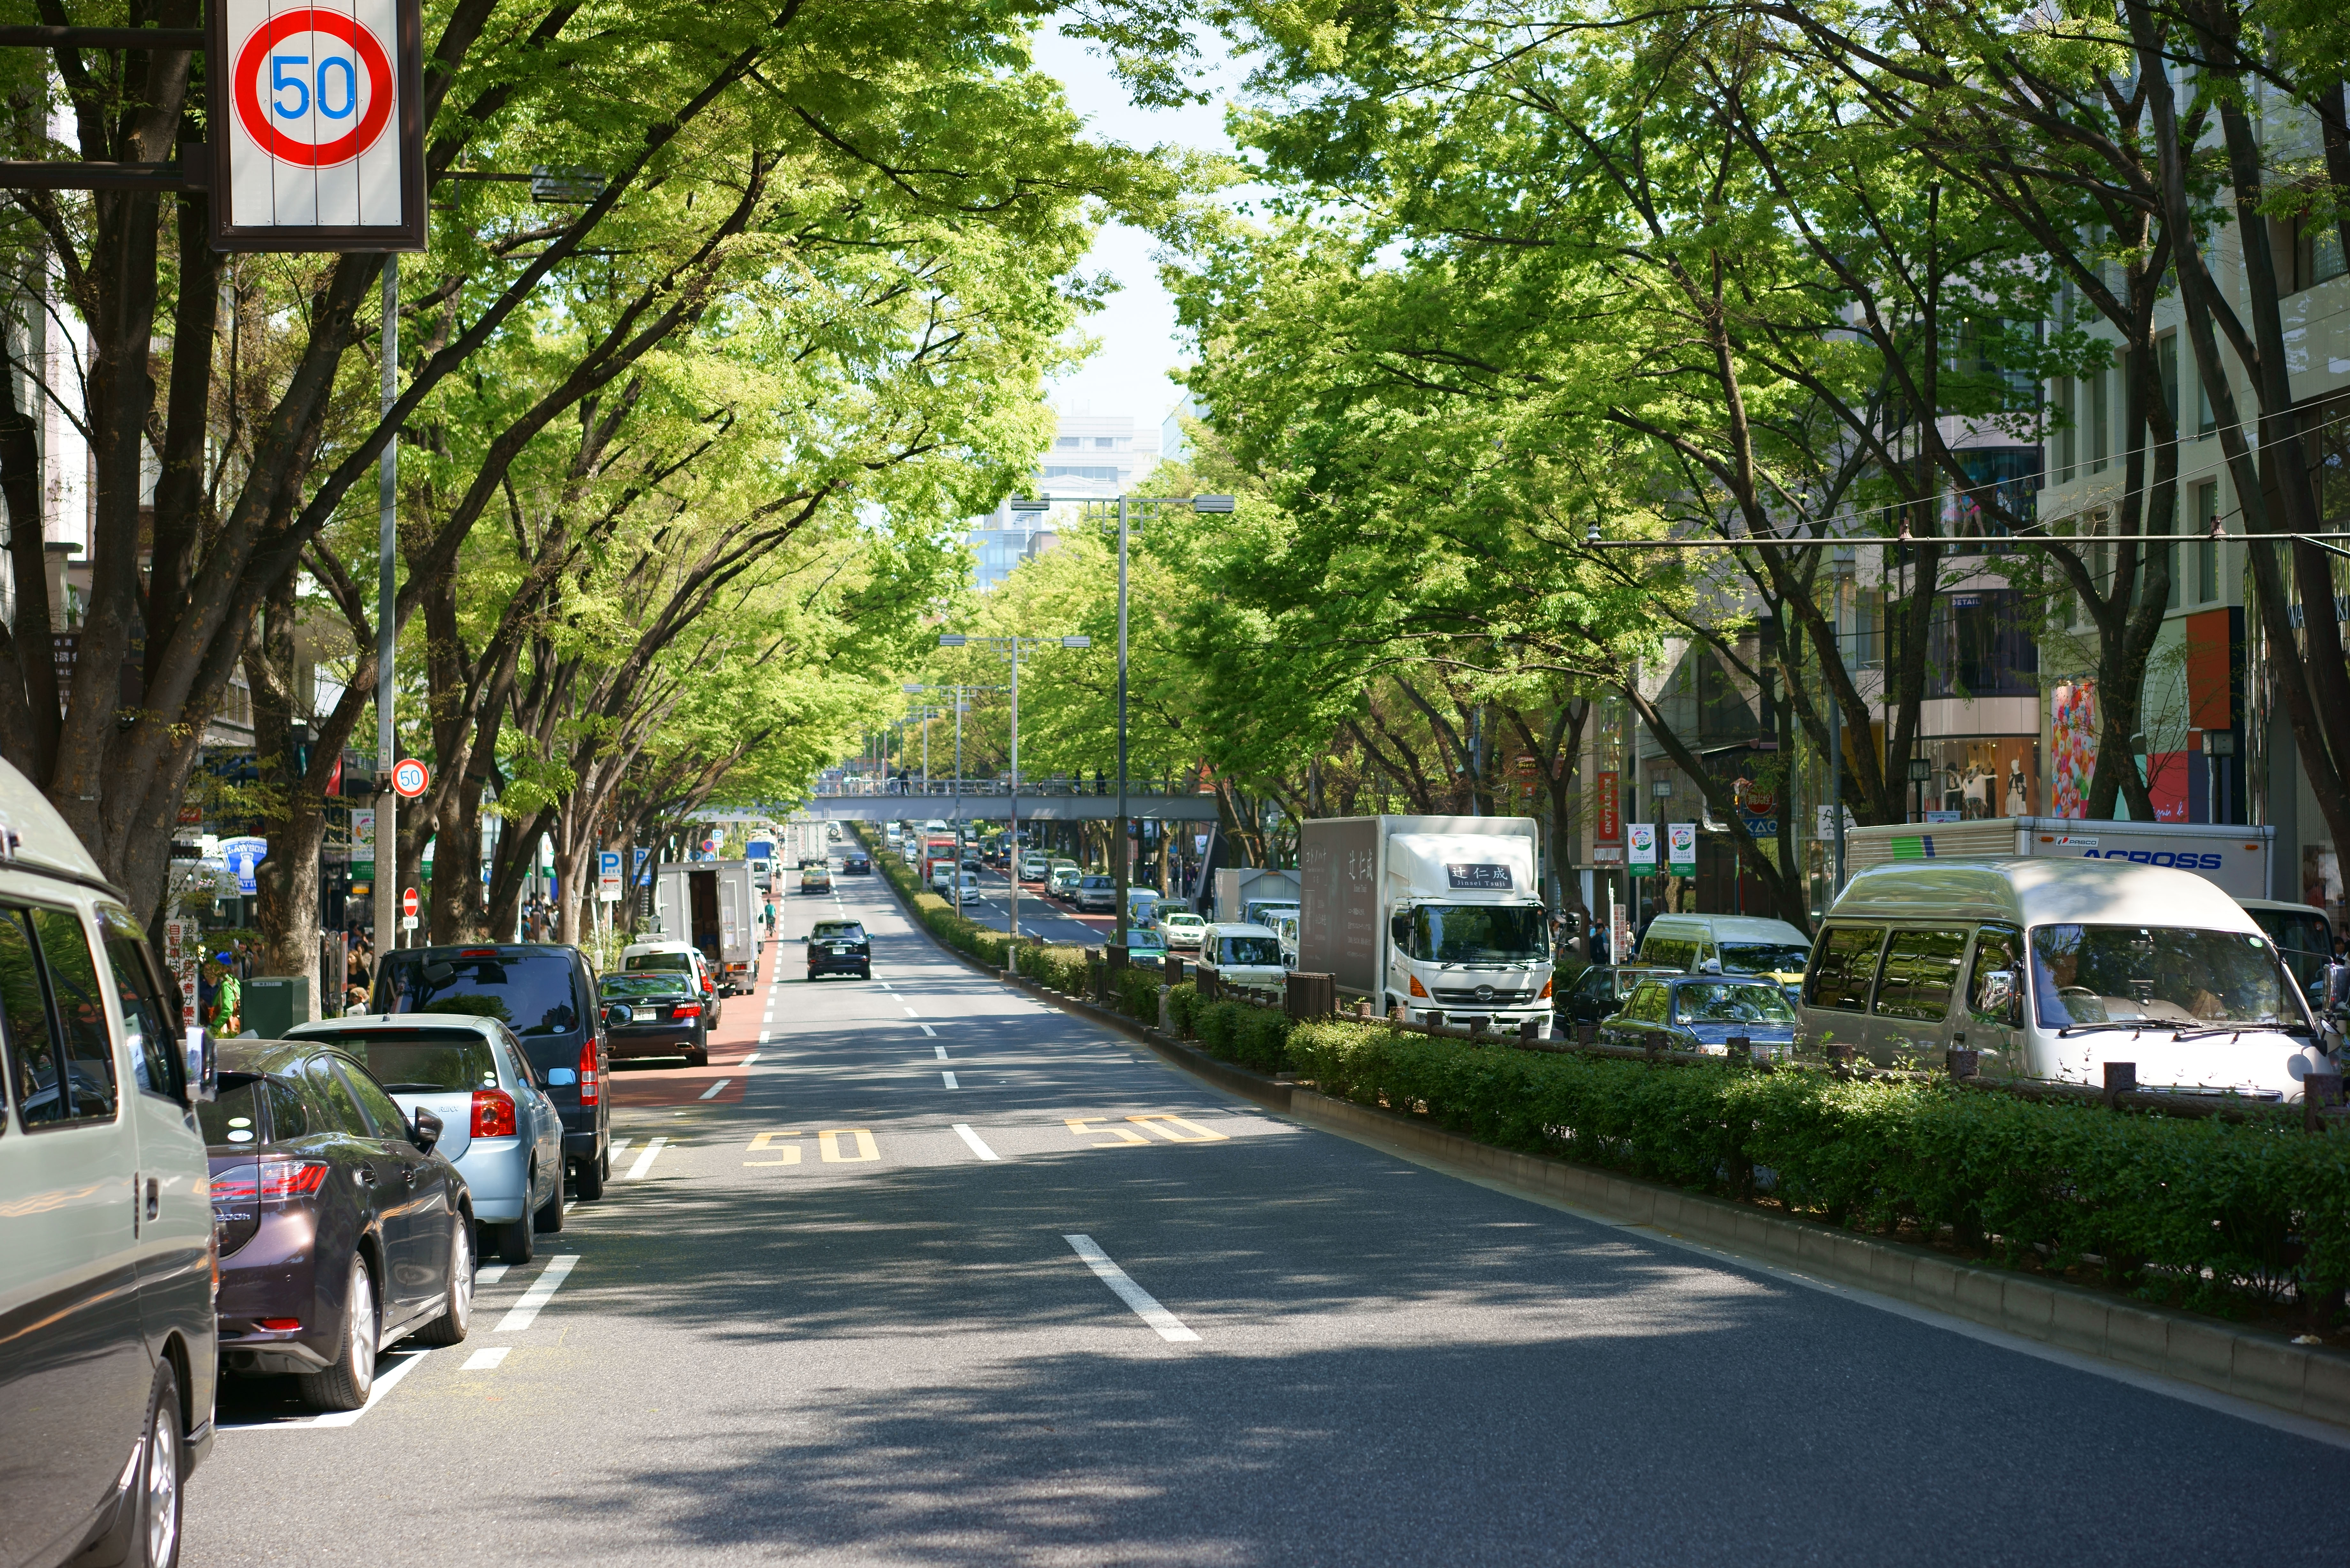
457	1304
159	1499
588	1180
347	1382
513	1241
549	1218
865	973
697	1056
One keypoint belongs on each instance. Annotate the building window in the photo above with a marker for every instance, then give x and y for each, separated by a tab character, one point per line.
1066	441
1106	442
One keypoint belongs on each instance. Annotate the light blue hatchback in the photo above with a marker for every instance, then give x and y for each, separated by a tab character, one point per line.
499	1129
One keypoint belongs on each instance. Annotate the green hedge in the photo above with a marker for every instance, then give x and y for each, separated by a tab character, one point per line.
2207	1213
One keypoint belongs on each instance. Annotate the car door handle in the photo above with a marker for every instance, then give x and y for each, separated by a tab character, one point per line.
367	1176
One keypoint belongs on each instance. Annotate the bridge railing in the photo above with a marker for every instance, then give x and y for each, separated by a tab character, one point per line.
946	789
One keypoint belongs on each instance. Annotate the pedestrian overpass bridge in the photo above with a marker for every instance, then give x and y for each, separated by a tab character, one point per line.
1041	806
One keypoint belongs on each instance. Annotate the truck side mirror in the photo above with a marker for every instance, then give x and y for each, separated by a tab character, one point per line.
2002	998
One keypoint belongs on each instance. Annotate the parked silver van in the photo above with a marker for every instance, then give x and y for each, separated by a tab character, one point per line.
108	1340
2049	969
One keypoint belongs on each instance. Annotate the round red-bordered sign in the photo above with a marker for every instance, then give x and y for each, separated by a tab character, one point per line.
410	777
251	110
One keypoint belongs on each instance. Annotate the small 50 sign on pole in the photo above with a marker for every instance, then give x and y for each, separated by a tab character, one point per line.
321	145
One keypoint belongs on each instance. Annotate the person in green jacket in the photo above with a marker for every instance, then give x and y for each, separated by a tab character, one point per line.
228	997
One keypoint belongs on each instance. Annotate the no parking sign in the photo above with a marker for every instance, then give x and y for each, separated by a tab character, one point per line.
321	147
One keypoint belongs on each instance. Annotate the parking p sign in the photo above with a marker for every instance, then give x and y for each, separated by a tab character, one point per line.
320	144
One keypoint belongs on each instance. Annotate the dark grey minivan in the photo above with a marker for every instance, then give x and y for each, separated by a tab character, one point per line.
543	992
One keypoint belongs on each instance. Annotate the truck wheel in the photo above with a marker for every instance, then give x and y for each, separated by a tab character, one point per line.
588	1180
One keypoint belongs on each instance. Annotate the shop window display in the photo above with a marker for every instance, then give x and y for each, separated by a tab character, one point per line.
1996	776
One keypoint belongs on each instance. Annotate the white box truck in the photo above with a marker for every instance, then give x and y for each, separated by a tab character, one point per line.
2238	859
1238	886
711	904
1436	915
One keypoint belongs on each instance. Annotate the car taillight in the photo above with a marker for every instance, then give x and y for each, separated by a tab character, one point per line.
284	1179
1416	989
686	1010
587	1089
1546	995
493	1113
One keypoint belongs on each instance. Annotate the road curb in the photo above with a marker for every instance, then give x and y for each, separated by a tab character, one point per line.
2305	1380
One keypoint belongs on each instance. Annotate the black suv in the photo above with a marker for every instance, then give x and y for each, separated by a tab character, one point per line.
839	947
856	863
543	993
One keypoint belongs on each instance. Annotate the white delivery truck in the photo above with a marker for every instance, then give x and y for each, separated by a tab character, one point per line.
1237	886
1436	915
761	852
2237	858
711	904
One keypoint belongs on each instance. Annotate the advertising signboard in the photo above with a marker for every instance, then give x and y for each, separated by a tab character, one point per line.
1640	856
320	143
242	855
1607	820
1680	848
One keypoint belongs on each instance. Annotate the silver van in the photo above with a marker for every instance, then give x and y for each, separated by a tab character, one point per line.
2049	969
108	1342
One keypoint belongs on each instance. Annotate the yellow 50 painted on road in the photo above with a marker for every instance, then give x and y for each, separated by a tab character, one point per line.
828	1146
1162	1122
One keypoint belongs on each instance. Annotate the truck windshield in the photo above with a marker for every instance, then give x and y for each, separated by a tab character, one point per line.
1478	933
1764	958
2158	975
1247	949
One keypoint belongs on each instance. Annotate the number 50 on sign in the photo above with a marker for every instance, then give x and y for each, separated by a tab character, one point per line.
320	144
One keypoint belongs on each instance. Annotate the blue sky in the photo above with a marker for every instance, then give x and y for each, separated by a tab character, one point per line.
1127	374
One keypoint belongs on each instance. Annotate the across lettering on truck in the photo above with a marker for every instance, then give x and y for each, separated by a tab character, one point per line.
2184	861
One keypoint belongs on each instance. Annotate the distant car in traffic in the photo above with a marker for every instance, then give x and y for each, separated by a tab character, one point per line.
671	957
839	947
1183	929
1145	945
341	1230
815	875
498	1126
1702	1013
655	1014
546	994
1242	955
968	890
1096	893
856	863
1034	866
1063	881
1599	991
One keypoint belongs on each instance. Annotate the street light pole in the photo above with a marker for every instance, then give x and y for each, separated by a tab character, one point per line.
387	634
1118	855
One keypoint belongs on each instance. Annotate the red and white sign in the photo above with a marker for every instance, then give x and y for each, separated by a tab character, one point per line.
407	901
320	148
411	778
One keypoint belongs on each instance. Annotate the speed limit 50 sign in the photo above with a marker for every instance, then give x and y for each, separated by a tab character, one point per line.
320	146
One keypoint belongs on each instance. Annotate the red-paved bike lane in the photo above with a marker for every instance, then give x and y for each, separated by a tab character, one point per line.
656	1080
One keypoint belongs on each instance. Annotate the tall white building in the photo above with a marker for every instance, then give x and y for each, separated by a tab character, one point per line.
1093	457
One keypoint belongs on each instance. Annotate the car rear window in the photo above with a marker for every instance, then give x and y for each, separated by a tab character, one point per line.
623	985
420	1061
682	963
529	992
839	930
250	1109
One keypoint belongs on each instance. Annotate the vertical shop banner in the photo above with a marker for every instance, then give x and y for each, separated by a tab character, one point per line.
317	126
2073	740
1641	858
183	951
1680	848
362	843
1606	821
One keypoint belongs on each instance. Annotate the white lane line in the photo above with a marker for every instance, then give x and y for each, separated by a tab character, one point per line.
971	1138
909	1012
645	1160
385	1383
932	1033
750	1058
712	1093
612	1150
483	1360
1145	1306
767	1037
542	1291
942	1051
488	1274
949	1077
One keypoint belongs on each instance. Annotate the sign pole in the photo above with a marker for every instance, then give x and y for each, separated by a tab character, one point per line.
387	628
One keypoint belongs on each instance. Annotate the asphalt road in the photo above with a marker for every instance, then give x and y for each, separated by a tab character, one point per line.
815	1320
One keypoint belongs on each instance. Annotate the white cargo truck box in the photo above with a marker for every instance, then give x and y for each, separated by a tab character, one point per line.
2239	860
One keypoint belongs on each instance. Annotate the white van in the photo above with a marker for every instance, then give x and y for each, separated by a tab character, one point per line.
110	1347
1735	944
1244	955
2049	969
